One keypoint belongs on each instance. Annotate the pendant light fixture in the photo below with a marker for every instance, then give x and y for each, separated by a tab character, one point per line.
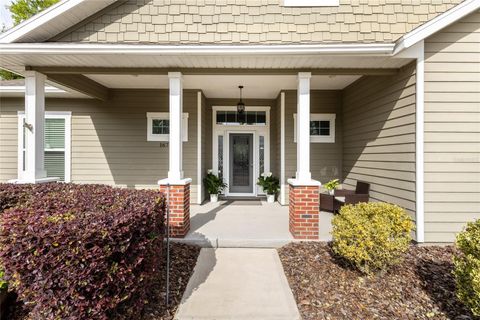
240	104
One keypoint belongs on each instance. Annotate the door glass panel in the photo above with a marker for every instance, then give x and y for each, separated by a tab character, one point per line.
241	163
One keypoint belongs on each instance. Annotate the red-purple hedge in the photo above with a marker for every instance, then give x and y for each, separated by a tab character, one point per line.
82	251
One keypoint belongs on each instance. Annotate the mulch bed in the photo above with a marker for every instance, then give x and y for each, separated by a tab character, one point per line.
325	287
183	260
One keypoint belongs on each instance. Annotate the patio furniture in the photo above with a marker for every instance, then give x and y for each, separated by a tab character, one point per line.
360	194
328	203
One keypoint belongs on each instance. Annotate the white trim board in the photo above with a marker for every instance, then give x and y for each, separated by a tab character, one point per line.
283	186
374	49
199	149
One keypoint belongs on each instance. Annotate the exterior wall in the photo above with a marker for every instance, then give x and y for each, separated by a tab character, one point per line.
109	139
379	136
325	158
247	21
452	129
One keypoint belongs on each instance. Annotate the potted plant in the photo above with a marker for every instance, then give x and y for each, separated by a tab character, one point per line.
269	184
214	185
331	186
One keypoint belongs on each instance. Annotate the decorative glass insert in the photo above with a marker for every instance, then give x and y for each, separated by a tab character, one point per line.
261	154
160	126
319	128
248	117
220	157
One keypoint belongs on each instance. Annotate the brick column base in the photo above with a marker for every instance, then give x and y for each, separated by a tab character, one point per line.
304	210
179	209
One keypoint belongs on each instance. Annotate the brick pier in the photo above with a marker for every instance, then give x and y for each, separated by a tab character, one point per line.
304	207
179	209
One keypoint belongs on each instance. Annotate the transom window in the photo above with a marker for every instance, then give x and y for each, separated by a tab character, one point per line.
248	118
322	127
158	126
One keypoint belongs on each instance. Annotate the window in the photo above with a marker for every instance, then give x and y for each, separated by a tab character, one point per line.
248	117
57	144
311	3
261	153
158	126
322	127
220	157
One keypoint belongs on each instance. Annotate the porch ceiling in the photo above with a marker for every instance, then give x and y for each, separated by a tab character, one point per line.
224	86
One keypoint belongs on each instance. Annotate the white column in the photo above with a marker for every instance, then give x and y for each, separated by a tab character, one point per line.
303	128
175	172
35	123
419	146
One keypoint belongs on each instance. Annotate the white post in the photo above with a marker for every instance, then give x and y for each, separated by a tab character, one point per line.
175	172
303	128
419	146
35	123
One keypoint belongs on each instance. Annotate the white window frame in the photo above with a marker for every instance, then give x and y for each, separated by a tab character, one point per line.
67	116
164	116
311	3
225	130
318	117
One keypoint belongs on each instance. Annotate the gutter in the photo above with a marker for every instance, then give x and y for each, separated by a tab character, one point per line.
373	49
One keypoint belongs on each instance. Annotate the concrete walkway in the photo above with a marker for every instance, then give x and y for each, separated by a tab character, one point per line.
238	283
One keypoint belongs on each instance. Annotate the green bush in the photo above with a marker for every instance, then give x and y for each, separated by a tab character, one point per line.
467	267
372	236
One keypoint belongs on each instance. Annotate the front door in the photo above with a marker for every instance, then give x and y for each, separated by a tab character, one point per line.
241	163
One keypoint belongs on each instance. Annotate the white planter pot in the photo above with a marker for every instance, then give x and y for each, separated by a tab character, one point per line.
331	192
214	198
270	198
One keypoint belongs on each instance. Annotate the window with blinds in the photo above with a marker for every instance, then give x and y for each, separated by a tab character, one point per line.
55	148
55	145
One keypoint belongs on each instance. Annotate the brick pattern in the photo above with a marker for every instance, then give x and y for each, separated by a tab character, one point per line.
256	22
304	210
179	209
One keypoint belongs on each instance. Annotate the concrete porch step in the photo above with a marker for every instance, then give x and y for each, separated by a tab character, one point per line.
233	242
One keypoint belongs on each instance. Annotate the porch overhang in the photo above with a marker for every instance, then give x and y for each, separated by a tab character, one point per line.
17	57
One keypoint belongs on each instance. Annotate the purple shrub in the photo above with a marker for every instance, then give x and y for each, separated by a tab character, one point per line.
82	251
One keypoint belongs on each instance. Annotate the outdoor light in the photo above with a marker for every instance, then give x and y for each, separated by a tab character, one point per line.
240	104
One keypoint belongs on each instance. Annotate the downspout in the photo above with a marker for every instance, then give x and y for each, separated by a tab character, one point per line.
419	145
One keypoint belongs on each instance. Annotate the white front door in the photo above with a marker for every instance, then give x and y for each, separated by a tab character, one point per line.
241	148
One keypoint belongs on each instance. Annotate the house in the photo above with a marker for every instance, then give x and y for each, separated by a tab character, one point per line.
382	91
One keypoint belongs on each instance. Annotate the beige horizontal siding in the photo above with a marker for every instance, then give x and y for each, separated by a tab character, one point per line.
379	137
452	129
109	139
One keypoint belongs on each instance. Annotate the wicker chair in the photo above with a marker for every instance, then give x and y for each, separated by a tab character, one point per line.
360	194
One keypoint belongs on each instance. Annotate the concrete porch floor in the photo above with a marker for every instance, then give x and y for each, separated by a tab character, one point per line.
244	223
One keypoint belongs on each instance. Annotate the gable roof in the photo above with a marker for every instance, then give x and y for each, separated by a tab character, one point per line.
53	20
